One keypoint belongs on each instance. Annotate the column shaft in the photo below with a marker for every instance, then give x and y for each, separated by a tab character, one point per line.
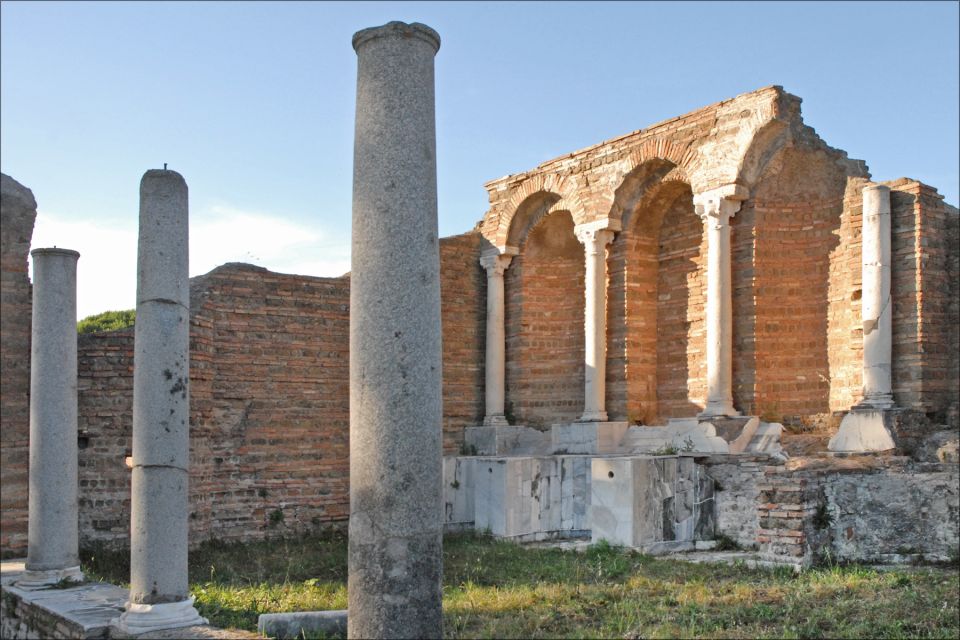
496	340
876	309
159	504
595	241
395	546
52	535
716	211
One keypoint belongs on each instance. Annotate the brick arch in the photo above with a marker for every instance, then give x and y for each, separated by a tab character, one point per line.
518	215
680	158
768	140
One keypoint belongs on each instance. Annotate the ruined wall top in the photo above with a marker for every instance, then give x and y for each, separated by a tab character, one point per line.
724	144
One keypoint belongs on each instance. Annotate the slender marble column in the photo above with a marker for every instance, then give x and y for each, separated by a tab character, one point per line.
396	519
716	207
52	537
595	239
159	597
495	264
876	308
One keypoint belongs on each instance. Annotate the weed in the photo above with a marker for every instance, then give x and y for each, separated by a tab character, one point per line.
468	449
821	517
275	518
725	543
666	450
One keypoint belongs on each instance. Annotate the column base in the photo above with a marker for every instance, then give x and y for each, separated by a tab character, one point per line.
42	579
496	420
877	401
862	430
718	409
142	618
593	416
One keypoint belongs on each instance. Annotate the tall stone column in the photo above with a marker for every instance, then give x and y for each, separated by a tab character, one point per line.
52	536
595	237
395	548
868	427
716	207
875	303
159	596
495	264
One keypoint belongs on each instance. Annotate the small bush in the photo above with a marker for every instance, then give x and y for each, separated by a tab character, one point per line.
107	321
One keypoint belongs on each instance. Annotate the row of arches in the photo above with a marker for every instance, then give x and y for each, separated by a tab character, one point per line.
654	306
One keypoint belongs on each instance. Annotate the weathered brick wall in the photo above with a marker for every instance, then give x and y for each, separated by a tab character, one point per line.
18	210
735	494
269	399
681	300
781	311
544	326
875	510
463	306
924	255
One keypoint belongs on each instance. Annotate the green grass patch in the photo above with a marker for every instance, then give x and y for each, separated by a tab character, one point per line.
499	589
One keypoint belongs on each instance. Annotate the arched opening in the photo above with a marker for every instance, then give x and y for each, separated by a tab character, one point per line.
656	300
544	324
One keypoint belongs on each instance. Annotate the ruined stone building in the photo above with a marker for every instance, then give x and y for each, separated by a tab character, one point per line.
582	296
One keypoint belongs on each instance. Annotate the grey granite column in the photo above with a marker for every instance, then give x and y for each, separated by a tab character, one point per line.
395	549
159	598
52	552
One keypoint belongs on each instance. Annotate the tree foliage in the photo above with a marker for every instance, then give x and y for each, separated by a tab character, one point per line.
107	321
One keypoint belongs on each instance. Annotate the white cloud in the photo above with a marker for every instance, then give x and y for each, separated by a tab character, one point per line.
107	269
106	272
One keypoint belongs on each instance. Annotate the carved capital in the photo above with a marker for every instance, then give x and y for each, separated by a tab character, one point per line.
720	204
595	236
495	263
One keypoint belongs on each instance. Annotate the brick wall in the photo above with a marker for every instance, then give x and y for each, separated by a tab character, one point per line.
18	210
463	307
544	326
270	390
681	300
924	255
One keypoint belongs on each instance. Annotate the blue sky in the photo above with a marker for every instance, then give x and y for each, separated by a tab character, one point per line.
253	103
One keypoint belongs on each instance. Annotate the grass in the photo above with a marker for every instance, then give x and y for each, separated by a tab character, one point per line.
498	589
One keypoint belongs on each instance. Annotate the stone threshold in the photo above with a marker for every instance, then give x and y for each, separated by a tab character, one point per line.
82	611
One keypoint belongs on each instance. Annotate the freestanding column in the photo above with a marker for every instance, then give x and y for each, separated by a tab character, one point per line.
876	307
495	264
395	549
716	207
52	552
159	598
595	239
868	427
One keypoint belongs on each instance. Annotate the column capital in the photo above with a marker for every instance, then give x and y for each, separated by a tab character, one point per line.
495	263
597	234
720	203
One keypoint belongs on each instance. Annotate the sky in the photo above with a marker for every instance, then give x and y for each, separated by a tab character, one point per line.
253	103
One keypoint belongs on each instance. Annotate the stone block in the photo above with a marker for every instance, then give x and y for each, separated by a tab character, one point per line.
458	492
510	440
531	498
588	437
329	624
651	503
864	430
